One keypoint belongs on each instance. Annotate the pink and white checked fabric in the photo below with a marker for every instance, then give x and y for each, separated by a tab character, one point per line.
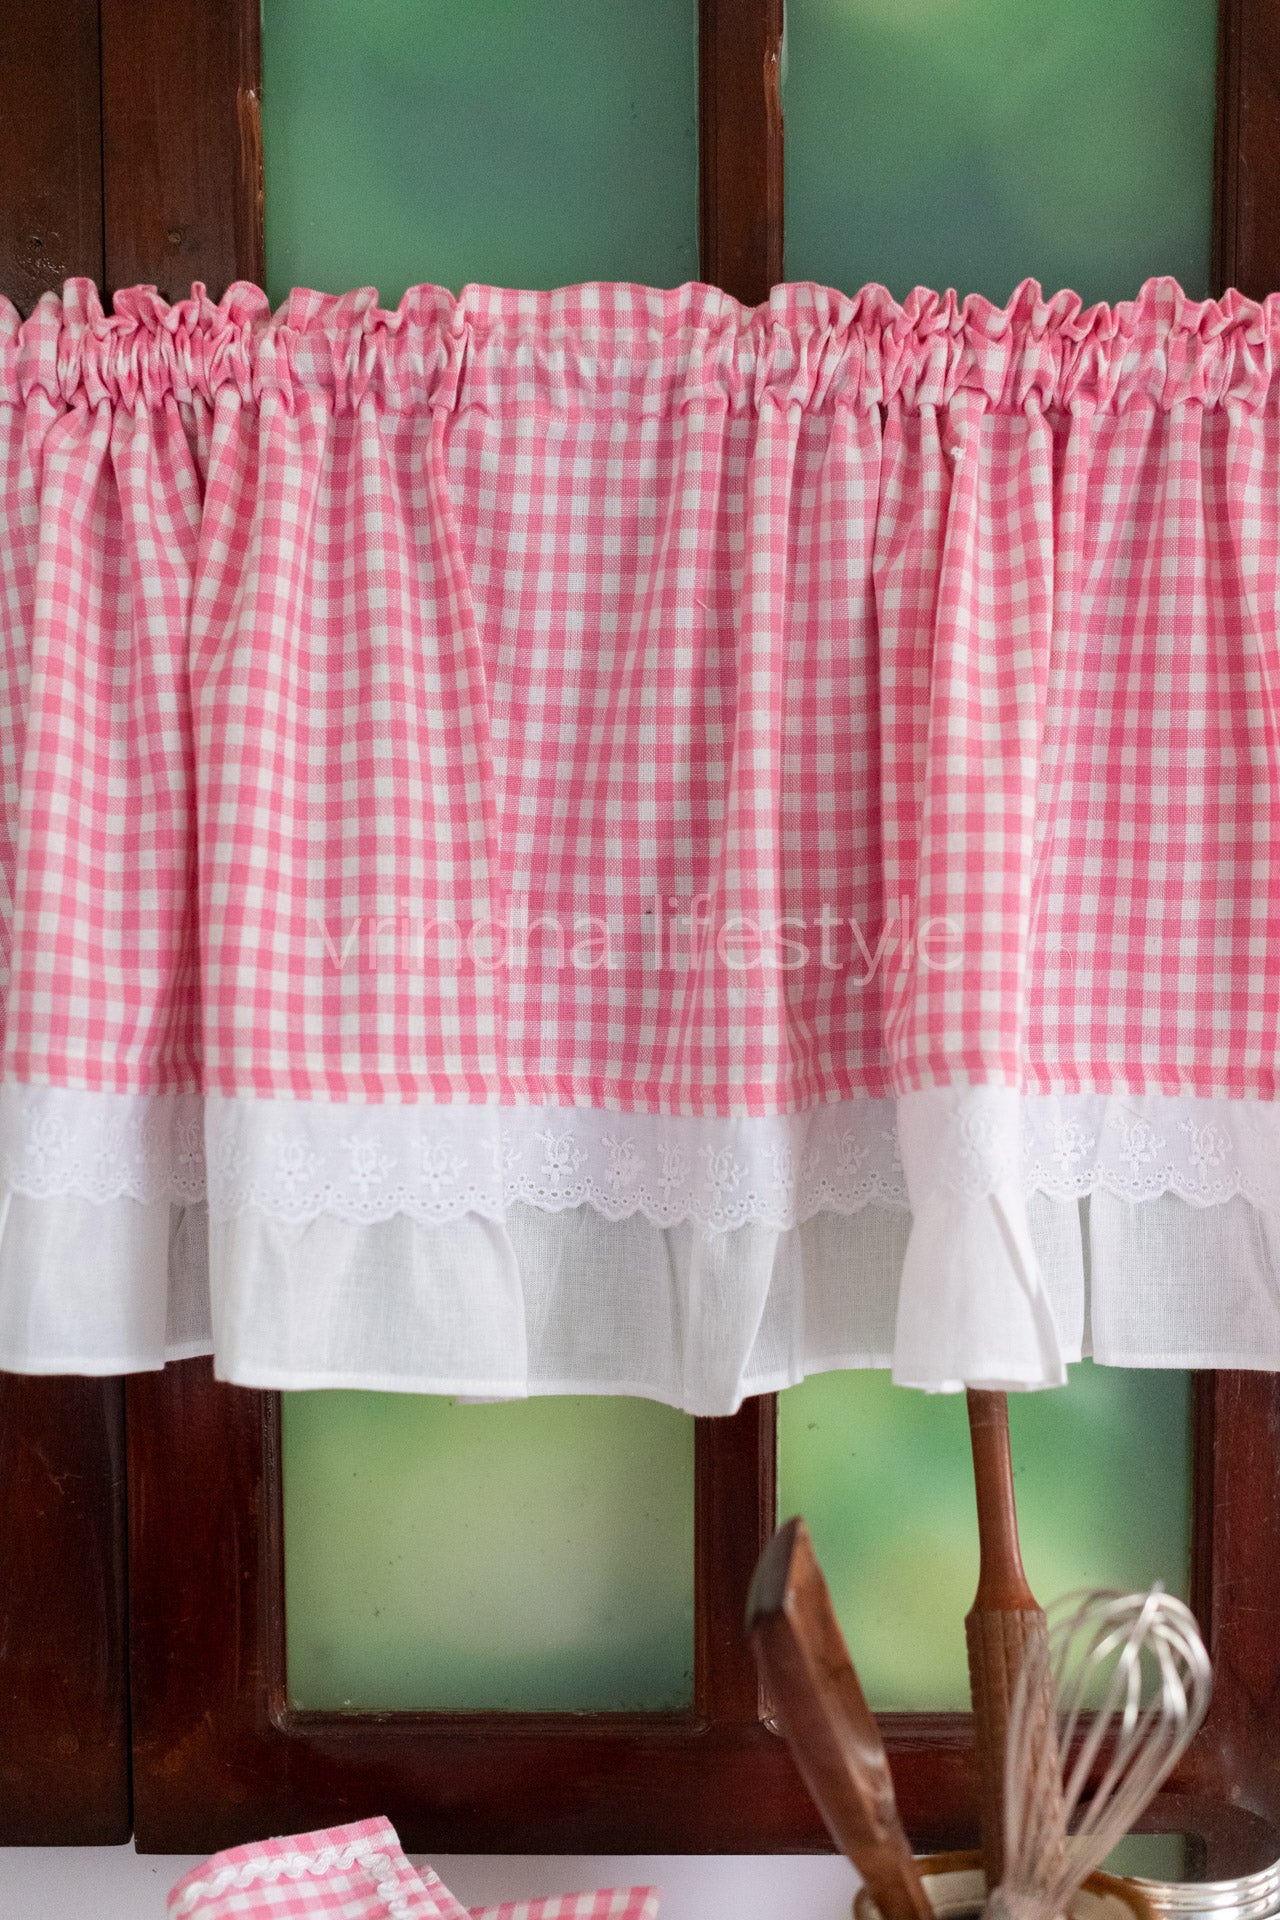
615	1903
625	703
358	1872
359	663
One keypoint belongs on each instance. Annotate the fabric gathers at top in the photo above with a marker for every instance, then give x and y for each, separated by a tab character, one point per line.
524	814
601	346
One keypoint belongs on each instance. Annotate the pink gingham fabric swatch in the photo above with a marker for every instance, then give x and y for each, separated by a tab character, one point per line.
617	1903
358	1872
354	1872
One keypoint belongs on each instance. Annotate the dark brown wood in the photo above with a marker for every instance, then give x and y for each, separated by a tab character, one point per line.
182	146
1237	1755
1004	1624
220	1756
1235	1571
820	1706
1246	244
64	1724
1002	1583
736	1510
50	148
740	145
64	1775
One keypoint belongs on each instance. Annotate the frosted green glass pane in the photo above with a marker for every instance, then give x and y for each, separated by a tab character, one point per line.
535	1556
974	143
526	143
883	1475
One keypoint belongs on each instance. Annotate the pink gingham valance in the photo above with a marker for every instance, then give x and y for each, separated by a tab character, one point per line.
609	840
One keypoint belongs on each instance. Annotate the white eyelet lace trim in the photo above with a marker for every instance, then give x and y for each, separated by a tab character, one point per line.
435	1165
102	1146
297	1160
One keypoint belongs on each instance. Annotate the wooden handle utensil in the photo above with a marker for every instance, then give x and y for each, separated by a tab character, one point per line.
1003	1622
819	1706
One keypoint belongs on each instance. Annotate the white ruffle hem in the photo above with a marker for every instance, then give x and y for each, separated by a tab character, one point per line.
967	1235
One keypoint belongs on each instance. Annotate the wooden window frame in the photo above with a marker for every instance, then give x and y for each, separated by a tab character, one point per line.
64	1717
171	90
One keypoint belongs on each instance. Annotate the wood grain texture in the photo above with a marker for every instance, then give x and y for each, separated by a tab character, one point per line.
50	148
998	1641
221	1757
1004	1623
1236	1592
740	145
735	1510
1233	1765
64	1721
819	1704
1246	237
64	1771
182	148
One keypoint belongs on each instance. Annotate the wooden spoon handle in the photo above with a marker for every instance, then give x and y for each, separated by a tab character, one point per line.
820	1708
1002	1584
997	1642
1003	1622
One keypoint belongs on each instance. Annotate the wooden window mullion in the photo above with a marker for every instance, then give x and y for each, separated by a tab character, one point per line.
64	1717
734	1514
740	249
64	1756
1246	199
182	146
740	145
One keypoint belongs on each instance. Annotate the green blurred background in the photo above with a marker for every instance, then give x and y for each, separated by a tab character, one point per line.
540	1555
1102	1472
964	143
528	1556
976	143
523	143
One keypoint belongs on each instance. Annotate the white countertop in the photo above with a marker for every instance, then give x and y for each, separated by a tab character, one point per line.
115	1883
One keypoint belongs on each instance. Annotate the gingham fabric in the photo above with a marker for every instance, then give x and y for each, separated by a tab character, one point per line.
614	1903
358	1872
622	703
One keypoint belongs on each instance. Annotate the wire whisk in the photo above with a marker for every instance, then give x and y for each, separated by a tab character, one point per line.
1131	1683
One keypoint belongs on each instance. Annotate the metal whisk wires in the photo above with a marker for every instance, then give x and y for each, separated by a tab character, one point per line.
1135	1665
